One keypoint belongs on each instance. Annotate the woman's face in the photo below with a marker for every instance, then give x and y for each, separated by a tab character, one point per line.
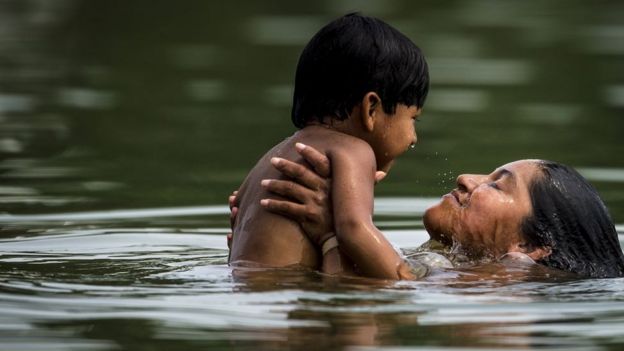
484	213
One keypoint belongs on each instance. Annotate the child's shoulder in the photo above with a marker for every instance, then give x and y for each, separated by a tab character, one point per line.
341	147
352	145
333	141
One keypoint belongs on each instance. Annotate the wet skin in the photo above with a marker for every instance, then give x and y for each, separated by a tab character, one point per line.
485	212
357	147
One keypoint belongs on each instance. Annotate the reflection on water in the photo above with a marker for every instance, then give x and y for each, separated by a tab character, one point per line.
124	128
83	286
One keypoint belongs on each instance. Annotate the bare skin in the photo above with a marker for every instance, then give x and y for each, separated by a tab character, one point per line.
302	204
484	213
485	219
358	147
299	203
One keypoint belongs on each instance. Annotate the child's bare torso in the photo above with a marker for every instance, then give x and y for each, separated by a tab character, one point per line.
266	239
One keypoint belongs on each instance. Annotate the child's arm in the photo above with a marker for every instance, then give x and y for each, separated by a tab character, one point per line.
353	169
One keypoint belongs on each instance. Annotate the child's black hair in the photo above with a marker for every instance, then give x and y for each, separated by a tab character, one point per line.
351	56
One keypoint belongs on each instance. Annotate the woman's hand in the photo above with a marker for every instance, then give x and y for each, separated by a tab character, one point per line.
233	213
308	195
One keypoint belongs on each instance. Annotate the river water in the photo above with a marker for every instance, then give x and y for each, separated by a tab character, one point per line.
124	126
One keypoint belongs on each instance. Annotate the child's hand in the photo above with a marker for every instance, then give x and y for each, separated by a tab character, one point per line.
309	197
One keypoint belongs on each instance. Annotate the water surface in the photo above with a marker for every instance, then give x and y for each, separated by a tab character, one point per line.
125	125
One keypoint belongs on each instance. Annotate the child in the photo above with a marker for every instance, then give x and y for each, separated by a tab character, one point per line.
359	87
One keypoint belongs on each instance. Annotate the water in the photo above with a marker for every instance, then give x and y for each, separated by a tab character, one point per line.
125	126
140	280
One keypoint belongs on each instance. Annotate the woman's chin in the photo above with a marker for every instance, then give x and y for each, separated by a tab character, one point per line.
436	233
433	220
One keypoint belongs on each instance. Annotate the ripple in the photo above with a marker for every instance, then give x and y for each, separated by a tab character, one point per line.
469	71
604	39
283	30
106	242
207	90
614	95
384	206
602	174
15	103
458	100
86	98
403	206
119	214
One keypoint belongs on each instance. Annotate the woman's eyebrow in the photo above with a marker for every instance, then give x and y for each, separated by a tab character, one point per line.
504	172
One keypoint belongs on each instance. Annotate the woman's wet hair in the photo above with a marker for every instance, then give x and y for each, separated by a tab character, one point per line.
570	219
350	57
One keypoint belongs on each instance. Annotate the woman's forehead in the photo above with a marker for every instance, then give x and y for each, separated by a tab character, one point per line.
520	172
528	166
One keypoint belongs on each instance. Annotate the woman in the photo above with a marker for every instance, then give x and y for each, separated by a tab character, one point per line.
532	208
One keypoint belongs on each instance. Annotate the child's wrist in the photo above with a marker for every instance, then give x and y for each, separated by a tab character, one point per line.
328	244
323	238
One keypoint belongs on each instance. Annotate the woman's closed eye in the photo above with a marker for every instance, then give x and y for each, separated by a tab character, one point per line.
494	185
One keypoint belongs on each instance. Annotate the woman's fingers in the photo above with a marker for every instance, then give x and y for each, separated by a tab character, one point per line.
317	159
379	176
232	199
295	211
233	213
300	173
287	189
229	240
233	207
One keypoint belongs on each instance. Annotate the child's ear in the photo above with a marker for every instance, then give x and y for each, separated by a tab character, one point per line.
371	109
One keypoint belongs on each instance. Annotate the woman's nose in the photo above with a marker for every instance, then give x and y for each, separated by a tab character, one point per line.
468	182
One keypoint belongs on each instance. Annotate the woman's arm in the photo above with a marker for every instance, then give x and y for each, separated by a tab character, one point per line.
359	239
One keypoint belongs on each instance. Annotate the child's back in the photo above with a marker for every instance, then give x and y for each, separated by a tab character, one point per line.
261	237
359	86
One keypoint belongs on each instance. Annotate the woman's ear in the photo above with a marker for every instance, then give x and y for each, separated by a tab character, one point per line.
539	253
371	109
536	253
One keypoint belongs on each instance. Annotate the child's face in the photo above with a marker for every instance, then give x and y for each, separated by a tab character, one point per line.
394	134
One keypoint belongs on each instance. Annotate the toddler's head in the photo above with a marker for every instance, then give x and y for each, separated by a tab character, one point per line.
350	57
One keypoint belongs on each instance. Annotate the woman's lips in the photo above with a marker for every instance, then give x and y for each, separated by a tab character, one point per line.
452	196
455	194
459	198
462	198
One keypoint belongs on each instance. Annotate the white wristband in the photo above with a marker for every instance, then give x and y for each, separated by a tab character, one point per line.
329	244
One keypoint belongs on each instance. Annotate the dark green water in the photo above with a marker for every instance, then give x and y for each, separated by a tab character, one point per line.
156	110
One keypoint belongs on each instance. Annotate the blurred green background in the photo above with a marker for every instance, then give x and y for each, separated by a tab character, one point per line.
133	104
